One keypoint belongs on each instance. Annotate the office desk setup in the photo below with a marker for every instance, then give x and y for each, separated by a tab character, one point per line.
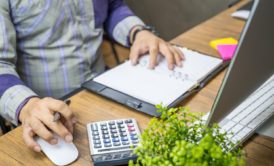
89	107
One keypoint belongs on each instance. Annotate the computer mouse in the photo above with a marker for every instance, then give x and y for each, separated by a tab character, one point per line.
62	153
241	14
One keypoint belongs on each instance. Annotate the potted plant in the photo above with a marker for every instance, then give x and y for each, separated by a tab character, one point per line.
180	137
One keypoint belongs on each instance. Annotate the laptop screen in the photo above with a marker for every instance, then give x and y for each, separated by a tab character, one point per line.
252	64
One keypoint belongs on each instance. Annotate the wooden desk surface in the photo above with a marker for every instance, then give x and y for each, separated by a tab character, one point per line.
89	107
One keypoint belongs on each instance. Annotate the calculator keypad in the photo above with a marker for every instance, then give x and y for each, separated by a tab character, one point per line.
113	136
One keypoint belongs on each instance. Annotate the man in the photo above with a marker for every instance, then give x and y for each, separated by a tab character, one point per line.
50	47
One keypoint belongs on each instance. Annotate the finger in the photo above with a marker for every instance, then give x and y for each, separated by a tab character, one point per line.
134	55
57	127
164	49
39	128
153	52
182	56
64	129
67	125
28	135
61	107
143	50
177	56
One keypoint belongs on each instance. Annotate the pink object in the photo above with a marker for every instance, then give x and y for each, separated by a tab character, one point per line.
227	51
131	129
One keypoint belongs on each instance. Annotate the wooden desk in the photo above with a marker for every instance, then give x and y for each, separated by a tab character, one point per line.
89	107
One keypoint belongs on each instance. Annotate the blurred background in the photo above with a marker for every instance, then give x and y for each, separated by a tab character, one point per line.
172	17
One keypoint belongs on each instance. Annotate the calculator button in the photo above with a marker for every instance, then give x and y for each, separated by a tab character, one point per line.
103	124
135	141
122	130
97	146
125	142
115	140
95	133
135	137
130	125
106	140
97	141
114	135
96	137
107	144
104	127
116	143
112	127
111	123
114	131
106	136
105	132
94	127
128	121
133	133
124	139
123	134
131	128
119	122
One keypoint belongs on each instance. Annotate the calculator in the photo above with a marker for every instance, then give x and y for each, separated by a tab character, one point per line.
112	142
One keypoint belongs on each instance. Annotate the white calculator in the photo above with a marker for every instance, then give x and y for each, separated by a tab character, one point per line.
112	142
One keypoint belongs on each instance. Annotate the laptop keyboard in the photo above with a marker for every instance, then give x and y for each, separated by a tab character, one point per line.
250	114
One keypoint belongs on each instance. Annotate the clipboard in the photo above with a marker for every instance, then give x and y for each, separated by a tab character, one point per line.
140	105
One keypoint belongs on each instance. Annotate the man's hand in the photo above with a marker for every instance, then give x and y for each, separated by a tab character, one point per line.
37	119
147	42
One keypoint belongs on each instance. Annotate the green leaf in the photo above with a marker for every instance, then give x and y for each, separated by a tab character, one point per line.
179	137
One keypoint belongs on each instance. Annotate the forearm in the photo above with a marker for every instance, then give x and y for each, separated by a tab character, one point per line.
120	21
14	95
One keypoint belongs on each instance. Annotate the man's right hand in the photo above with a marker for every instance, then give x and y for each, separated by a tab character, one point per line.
37	119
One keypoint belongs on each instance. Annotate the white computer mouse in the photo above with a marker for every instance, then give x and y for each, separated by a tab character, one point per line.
241	14
62	153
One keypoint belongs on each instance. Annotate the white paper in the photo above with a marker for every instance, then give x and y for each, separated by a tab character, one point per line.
242	14
159	85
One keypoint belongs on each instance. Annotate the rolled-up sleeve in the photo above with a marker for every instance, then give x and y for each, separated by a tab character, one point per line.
13	93
120	21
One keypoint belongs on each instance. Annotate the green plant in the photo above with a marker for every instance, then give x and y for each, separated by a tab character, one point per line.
180	137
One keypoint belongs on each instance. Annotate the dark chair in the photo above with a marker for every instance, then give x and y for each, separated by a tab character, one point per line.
113	49
3	125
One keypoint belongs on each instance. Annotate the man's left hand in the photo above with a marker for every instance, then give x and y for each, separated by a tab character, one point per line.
147	42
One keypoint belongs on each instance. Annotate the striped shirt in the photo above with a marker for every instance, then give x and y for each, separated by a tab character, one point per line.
50	47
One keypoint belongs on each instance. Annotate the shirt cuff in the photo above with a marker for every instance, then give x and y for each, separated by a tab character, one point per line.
18	110
122	29
13	100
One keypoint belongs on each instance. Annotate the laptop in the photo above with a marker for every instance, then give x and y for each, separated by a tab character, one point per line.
246	97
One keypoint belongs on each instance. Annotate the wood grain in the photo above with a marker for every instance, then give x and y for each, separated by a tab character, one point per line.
90	107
